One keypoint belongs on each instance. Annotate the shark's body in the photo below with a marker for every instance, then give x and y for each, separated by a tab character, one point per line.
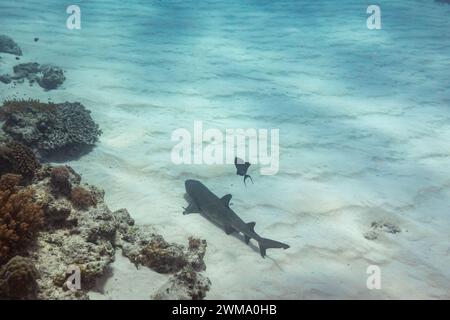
217	210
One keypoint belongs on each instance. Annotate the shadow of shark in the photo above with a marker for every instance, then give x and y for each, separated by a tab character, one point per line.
203	201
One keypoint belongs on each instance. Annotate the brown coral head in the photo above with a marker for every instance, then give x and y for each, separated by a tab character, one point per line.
18	279
82	198
60	180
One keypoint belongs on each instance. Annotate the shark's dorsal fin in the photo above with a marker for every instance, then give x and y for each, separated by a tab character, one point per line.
226	199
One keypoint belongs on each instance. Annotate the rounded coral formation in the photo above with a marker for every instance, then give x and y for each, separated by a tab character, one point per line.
8	45
20	216
52	77
50	129
18	279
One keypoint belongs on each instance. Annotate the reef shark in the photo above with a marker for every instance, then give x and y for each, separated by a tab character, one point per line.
217	210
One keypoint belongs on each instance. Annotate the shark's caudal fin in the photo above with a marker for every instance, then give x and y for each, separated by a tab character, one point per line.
265	244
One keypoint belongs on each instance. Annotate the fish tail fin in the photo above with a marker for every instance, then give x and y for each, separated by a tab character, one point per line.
265	244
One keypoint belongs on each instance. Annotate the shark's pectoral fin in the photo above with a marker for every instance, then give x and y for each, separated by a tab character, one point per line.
247	239
229	229
226	200
192	208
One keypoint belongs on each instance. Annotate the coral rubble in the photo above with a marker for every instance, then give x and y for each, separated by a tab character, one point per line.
50	129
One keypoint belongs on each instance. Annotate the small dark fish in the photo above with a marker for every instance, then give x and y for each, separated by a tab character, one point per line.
36	39
242	168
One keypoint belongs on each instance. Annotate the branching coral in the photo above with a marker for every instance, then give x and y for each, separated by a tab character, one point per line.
20	217
18	279
82	198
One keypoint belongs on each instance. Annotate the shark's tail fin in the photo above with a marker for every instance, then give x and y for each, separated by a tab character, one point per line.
265	244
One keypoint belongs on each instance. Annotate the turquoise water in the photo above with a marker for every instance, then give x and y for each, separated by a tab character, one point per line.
364	122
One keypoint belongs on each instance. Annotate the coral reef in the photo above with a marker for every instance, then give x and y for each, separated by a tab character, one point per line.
50	129
18	279
8	45
20	216
57	225
47	76
87	240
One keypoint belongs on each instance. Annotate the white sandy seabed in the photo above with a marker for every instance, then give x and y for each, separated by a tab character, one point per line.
364	119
